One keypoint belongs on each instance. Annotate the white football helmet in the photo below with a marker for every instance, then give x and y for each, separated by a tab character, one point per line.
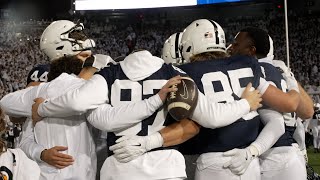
64	37
170	51
270	54
201	36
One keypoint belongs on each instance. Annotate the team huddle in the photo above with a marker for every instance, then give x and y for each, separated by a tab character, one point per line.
243	124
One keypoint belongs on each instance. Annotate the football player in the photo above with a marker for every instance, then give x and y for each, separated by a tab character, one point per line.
66	155
283	161
221	80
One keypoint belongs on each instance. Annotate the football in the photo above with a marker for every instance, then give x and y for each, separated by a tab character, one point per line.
182	103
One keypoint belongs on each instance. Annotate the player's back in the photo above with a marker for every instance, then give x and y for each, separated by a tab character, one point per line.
123	90
224	80
159	163
72	132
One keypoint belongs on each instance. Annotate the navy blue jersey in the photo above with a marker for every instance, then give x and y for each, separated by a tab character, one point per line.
273	75
38	74
122	90
224	81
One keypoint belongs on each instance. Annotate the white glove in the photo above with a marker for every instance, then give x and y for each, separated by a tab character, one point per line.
98	61
240	159
128	148
101	61
287	75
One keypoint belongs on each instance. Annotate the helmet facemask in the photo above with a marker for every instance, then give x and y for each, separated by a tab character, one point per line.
78	38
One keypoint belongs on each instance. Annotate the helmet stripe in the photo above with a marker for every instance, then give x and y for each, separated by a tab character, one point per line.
176	45
216	31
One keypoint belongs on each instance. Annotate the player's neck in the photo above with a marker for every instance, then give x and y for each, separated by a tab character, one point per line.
87	73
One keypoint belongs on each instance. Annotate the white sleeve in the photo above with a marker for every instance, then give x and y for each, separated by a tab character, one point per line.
18	104
263	86
214	115
299	135
271	132
28	144
89	96
108	118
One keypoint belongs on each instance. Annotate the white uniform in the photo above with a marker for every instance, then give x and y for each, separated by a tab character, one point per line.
15	165
71	132
284	162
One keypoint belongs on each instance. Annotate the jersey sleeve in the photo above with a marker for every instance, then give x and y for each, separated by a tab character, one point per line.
89	96
19	103
28	144
213	115
263	85
271	132
113	119
175	71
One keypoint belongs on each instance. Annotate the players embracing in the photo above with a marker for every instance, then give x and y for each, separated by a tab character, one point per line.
229	149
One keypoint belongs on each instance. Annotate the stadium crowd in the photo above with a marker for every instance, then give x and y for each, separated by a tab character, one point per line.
19	44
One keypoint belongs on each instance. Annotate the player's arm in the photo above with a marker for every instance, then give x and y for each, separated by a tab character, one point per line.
284	102
179	132
40	154
129	148
214	115
305	108
272	131
18	104
112	119
28	144
89	96
278	100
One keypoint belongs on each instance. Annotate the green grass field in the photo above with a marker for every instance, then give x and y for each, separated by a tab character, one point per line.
314	160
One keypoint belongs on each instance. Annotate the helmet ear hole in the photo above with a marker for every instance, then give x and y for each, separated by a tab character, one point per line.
59	48
189	49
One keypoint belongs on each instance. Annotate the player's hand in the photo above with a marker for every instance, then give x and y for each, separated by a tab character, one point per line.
170	86
129	148
253	97
54	157
35	116
240	159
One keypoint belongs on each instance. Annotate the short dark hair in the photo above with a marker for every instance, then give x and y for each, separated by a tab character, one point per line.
260	38
65	64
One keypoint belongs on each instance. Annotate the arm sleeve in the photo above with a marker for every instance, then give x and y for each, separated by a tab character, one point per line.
109	118
89	96
28	144
214	115
272	131
18	104
263	86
